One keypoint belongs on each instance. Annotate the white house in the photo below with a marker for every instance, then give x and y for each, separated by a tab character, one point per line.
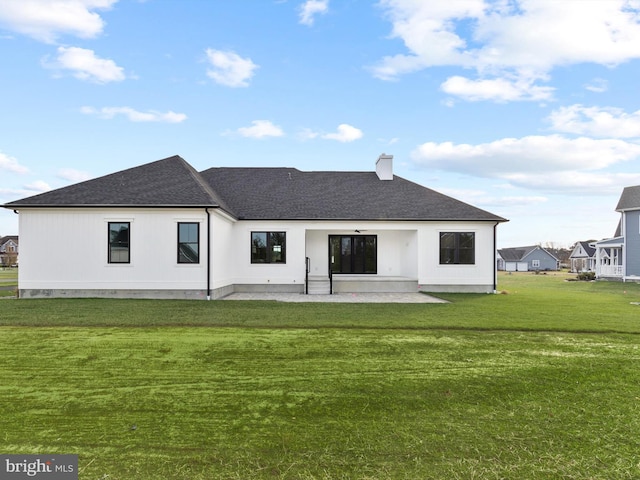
618	258
164	230
583	257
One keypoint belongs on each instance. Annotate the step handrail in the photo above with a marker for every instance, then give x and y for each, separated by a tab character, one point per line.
306	275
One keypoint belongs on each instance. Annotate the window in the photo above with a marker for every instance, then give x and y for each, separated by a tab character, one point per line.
457	248
353	254
119	242
268	247
188	242
535	263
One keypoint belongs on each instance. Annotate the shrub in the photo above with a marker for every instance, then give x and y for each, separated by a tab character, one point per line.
587	276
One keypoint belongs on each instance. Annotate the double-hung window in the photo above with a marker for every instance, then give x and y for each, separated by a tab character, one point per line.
188	242
119	242
457	248
268	247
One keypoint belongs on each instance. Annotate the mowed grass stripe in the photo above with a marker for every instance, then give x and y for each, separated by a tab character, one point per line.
490	386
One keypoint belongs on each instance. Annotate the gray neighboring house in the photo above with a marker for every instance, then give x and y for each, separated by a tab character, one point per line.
618	258
9	250
526	259
583	257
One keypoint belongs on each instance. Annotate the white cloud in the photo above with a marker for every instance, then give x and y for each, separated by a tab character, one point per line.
553	153
10	164
135	115
38	186
497	89
576	182
597	85
311	8
481	197
595	121
46	20
261	129
539	162
13	192
345	133
522	39
518	201
307	134
85	65
73	175
229	69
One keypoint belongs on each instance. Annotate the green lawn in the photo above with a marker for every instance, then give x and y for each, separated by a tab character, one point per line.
540	382
8	282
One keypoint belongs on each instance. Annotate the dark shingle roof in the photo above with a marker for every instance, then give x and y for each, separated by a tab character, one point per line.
264	194
6	239
167	182
514	254
290	194
630	199
517	254
589	250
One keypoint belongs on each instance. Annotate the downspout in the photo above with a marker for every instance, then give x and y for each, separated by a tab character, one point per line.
208	253
624	247
495	258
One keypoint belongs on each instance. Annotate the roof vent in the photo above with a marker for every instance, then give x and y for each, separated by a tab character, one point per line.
384	167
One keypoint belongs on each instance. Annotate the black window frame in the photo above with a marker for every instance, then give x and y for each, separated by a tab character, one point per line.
270	255
186	245
360	261
454	249
118	243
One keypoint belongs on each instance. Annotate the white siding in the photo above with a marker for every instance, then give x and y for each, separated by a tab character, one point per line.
435	277
222	250
68	250
289	273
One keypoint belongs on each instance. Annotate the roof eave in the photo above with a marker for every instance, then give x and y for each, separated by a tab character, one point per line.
367	219
14	206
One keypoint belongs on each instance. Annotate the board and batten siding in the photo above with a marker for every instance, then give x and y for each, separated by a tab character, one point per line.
479	277
64	252
67	250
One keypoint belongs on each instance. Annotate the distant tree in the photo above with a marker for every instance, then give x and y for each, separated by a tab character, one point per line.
10	258
561	253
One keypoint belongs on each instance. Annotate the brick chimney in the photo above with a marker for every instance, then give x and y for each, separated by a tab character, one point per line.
384	167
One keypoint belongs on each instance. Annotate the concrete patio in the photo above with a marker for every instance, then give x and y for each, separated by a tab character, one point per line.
339	297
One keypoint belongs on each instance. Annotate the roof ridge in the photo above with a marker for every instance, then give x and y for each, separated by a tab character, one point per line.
200	181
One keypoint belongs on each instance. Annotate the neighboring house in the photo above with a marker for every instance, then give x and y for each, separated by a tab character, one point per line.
164	230
618	258
9	251
583	257
525	259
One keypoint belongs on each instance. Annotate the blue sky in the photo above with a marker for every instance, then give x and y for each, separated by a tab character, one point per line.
526	108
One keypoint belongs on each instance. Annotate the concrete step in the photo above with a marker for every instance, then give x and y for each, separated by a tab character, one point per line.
319	286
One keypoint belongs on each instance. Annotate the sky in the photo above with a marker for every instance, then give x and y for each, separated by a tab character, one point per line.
529	109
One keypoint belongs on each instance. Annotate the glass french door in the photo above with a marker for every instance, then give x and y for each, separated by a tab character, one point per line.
353	254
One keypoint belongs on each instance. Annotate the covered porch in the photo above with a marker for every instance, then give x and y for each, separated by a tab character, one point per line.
361	260
609	259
